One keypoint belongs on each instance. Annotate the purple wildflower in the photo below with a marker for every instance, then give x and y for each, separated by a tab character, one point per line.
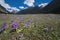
14	25
48	27
28	22
1	29
15	16
21	18
4	25
12	20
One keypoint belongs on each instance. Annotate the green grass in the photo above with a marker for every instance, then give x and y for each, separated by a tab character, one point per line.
34	31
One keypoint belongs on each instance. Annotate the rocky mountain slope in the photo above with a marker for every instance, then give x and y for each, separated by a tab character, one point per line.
2	9
52	7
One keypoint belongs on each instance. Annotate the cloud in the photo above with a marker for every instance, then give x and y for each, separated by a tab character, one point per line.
7	6
21	7
43	4
13	9
2	2
29	2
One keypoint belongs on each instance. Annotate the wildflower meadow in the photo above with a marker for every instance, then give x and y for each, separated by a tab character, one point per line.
30	27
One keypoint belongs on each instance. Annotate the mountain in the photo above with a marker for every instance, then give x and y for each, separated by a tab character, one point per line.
30	10
2	9
52	7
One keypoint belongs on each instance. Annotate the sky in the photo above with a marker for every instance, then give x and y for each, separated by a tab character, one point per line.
17	5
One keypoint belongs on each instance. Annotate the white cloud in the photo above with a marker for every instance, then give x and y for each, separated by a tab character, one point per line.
21	7
43	4
13	9
29	2
2	2
8	7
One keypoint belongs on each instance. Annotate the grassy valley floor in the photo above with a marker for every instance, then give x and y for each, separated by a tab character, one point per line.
30	27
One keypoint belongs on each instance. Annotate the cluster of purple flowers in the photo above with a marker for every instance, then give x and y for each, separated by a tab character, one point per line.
12	20
14	25
3	27
27	23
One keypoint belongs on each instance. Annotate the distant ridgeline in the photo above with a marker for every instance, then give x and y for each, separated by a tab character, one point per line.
52	7
30	10
3	10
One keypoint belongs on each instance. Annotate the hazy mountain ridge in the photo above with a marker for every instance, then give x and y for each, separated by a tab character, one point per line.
2	9
30	10
52	7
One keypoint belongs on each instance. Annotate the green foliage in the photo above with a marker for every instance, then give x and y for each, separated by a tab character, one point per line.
41	28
